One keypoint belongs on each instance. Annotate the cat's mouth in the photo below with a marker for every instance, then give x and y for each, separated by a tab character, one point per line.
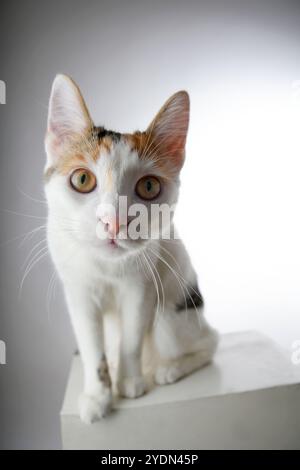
118	245
121	245
113	243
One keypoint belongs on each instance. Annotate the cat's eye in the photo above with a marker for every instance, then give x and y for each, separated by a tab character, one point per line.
83	181
148	187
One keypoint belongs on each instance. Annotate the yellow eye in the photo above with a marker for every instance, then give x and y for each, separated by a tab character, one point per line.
83	181
148	187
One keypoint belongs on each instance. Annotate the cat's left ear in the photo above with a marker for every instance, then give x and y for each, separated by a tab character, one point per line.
68	117
168	130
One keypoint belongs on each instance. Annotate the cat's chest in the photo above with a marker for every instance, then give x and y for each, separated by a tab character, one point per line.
83	265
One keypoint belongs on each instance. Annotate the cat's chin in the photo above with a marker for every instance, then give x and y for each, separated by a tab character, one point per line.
111	250
117	249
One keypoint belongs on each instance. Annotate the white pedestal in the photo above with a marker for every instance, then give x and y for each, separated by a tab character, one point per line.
249	398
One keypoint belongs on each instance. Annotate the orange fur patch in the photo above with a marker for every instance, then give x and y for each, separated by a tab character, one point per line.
66	165
149	149
137	141
105	144
74	152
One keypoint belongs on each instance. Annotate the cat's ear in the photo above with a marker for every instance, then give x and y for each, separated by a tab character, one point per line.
68	116
168	130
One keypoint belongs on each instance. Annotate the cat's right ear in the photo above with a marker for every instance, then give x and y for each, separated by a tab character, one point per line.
68	116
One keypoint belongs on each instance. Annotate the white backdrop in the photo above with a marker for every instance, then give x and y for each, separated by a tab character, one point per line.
239	205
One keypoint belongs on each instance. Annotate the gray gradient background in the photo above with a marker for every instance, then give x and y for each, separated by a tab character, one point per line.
128	57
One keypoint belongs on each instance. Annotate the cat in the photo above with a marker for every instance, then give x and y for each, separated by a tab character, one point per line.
148	281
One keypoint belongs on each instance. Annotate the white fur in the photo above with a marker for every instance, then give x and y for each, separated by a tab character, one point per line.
142	281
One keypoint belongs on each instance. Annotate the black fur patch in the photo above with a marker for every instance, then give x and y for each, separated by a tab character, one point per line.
102	132
193	299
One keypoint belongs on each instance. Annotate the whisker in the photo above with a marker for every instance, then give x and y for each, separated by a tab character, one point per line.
18	237
37	257
161	284
23	215
32	250
155	284
29	235
50	291
31	197
184	288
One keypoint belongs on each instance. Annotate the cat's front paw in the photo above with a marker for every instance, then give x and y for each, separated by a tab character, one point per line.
167	374
94	407
131	387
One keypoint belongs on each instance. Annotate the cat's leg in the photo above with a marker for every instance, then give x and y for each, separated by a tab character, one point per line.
185	343
96	399
135	318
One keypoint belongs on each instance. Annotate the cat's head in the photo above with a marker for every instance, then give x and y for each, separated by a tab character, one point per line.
107	190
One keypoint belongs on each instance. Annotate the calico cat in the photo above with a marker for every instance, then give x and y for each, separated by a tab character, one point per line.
148	281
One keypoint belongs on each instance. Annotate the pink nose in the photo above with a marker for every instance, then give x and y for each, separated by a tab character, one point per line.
111	225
